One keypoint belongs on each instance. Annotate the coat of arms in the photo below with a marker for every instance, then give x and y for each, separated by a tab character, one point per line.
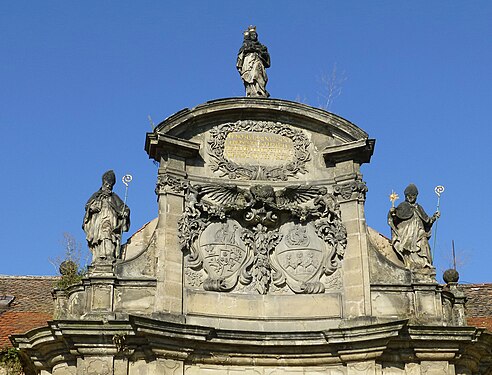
259	236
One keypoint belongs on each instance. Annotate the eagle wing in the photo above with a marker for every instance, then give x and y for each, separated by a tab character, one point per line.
223	194
297	194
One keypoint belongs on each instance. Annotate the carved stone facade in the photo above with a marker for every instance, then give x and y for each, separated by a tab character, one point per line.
261	236
258	150
168	183
356	189
259	262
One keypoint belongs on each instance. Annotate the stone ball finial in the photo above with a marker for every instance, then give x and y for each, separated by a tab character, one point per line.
451	276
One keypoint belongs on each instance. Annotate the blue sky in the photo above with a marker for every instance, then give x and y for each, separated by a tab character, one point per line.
79	79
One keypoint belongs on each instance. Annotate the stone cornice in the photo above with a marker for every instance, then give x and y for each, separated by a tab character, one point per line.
359	151
158	145
231	109
171	337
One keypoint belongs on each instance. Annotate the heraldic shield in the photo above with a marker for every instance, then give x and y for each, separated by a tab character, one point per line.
223	254
299	259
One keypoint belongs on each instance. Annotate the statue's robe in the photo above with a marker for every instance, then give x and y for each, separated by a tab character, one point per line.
413	230
106	217
252	60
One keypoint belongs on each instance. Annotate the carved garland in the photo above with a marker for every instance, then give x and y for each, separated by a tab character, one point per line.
234	170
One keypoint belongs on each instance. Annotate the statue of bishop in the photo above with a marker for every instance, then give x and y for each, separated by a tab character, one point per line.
411	229
106	218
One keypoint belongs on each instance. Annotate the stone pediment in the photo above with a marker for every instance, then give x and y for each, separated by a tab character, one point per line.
213	112
291	134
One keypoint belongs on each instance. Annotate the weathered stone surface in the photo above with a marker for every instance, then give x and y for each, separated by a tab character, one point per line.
410	229
252	61
243	234
138	254
106	218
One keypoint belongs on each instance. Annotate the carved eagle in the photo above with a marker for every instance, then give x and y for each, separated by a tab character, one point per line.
223	194
229	194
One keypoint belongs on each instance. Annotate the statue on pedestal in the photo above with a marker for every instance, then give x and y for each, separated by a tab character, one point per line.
106	218
411	230
252	60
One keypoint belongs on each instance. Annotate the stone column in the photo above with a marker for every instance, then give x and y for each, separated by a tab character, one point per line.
458	312
350	192
61	303
169	294
171	153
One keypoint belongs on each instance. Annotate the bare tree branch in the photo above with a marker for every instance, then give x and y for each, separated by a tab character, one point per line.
331	87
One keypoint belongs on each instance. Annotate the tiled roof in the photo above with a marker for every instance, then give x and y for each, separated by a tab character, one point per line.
479	304
32	293
31	308
482	322
13	322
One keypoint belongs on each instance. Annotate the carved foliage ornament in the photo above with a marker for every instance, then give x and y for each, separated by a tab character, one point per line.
167	183
357	189
259	236
249	171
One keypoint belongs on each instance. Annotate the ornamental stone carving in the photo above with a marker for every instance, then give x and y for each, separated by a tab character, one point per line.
167	183
351	190
258	150
223	253
299	258
261	237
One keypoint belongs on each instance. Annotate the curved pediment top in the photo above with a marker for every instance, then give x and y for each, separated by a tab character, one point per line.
262	109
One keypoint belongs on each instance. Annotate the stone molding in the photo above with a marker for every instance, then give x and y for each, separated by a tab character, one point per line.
360	151
160	145
170	338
